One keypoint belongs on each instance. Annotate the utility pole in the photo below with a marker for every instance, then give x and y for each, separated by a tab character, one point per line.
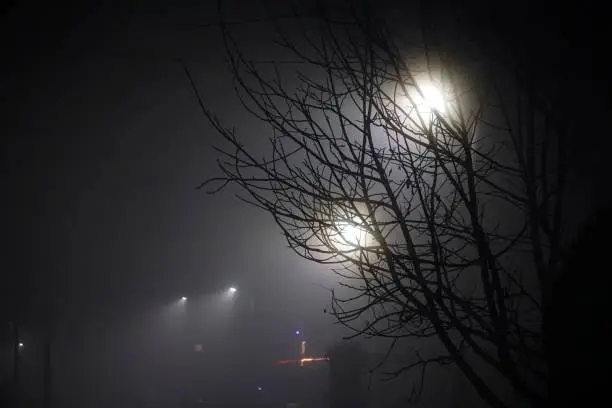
48	326
48	396
16	350
14	398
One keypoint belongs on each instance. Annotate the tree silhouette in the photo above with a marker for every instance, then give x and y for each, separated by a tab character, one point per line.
432	185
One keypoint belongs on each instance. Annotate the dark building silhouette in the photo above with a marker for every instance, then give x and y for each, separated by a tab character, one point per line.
578	324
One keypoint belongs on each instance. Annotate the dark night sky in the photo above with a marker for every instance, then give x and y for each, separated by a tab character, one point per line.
103	147
106	146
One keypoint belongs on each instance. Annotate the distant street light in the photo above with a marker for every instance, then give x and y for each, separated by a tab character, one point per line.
20	345
183	299
230	293
297	332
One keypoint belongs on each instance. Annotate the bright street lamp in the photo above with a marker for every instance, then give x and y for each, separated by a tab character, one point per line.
183	299
348	235
423	103
433	98
232	290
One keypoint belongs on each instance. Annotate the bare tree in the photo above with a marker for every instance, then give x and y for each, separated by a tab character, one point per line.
433	188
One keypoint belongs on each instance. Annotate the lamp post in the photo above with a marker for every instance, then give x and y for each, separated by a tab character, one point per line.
17	347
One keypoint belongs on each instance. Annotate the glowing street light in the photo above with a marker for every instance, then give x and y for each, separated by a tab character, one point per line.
20	345
347	235
433	98
351	233
183	299
423	104
230	293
